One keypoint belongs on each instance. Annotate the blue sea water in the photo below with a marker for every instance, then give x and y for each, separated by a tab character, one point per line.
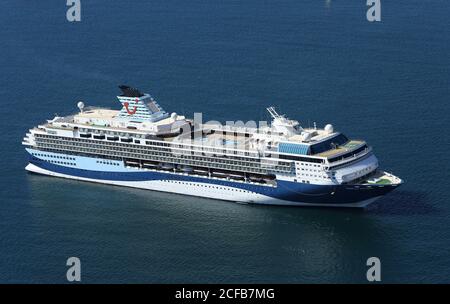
317	60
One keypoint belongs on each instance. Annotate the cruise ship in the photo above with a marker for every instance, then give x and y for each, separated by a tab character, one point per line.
143	146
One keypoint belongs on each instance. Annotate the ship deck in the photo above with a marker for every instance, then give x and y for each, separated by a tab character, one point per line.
218	140
341	149
380	178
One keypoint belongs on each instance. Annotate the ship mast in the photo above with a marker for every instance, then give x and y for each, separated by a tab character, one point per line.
273	113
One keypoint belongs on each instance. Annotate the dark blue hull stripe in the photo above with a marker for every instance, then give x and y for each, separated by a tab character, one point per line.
285	190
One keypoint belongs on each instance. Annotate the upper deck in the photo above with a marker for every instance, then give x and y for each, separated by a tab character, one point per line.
96	113
142	118
321	144
103	117
347	147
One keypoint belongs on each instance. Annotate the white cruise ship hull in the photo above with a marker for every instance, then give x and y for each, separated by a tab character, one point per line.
113	172
199	190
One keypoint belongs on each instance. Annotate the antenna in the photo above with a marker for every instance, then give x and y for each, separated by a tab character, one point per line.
273	113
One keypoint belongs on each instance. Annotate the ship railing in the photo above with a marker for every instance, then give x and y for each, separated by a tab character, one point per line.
346	160
218	165
268	183
181	148
229	128
145	149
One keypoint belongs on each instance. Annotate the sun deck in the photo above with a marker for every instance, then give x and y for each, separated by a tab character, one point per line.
378	178
383	178
227	141
98	114
352	144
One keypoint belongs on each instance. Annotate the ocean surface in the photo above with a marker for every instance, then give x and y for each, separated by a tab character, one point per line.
316	60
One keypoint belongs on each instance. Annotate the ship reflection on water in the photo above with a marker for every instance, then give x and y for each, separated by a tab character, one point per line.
163	237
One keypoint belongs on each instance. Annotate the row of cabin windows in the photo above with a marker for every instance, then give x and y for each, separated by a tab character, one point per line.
141	151
146	151
127	140
210	186
312	175
61	163
152	144
55	150
310	165
106	163
111	133
300	158
53	156
312	170
55	161
130	140
166	157
315	175
303	181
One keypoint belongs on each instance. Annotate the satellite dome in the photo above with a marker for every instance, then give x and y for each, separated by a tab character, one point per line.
306	136
80	105
174	115
329	128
